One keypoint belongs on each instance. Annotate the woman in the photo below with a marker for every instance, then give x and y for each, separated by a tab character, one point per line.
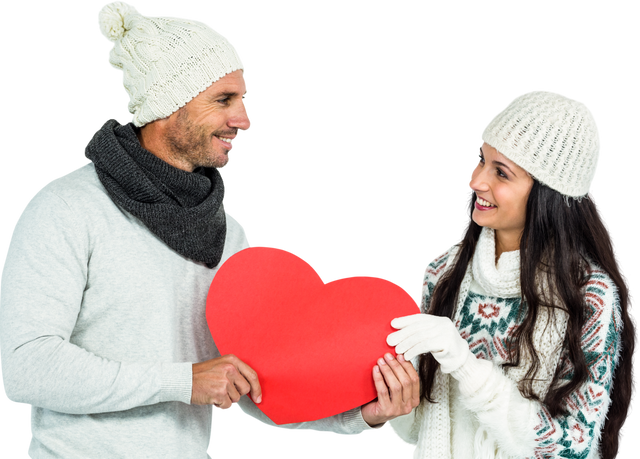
526	343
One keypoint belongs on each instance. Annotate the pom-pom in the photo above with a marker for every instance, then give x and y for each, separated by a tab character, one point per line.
112	19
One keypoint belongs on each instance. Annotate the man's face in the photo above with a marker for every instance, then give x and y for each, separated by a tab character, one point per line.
200	133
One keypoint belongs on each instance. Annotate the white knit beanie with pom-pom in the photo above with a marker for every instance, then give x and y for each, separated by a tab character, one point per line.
166	61
553	138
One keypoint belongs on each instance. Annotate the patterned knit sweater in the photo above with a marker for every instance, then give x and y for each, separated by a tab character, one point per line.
495	421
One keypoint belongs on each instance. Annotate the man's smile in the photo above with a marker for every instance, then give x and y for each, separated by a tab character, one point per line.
225	141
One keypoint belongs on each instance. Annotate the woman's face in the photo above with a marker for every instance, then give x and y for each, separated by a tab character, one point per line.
502	189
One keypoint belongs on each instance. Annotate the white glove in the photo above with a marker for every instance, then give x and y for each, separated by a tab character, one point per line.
422	333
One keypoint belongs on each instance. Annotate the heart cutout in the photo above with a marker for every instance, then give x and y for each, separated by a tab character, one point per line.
312	344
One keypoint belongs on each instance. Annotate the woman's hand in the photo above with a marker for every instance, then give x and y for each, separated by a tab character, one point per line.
422	333
398	387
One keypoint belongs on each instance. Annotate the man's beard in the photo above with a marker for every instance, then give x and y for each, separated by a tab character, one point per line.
192	142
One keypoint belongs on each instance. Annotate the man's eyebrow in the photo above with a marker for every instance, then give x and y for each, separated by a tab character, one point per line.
223	94
499	163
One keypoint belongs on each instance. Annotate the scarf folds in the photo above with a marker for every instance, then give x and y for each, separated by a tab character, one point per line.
184	209
501	279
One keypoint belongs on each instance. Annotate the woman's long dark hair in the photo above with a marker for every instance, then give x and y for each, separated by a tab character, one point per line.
559	240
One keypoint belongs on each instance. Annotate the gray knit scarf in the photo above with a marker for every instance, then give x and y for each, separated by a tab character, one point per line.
184	209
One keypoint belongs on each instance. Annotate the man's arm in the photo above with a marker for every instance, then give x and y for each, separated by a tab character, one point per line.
43	284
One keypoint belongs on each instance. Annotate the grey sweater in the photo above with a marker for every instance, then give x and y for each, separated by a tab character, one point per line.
99	324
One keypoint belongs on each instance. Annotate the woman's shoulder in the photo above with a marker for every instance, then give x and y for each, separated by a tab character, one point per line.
433	271
598	279
599	287
437	267
601	299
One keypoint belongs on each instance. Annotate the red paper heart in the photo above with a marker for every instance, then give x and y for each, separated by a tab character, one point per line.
313	345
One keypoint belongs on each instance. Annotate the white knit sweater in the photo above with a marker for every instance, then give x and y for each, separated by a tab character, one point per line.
480	412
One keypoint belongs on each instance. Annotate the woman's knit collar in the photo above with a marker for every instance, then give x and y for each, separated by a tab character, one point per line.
501	279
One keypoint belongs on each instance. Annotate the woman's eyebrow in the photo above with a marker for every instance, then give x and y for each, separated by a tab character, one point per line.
499	163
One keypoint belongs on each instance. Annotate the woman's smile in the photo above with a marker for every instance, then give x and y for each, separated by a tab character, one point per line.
483	205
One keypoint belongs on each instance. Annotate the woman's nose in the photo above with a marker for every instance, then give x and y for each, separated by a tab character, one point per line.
476	179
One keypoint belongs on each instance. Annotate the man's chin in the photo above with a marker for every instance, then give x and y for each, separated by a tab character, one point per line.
225	165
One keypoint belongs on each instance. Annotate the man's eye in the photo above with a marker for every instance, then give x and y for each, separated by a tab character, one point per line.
224	100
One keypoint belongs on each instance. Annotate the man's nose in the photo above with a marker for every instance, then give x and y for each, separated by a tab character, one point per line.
240	119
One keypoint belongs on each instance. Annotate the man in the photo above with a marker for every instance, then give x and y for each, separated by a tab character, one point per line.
104	287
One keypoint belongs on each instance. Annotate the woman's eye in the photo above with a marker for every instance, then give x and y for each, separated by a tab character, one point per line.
501	174
481	159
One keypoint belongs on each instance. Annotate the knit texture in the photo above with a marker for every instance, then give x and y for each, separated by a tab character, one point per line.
99	325
184	209
553	138
166	62
495	421
501	279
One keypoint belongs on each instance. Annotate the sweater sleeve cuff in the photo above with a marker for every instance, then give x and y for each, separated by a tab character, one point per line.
355	423
473	374
176	382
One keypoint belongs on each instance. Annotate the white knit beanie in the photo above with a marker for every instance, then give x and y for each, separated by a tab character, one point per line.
166	61
553	138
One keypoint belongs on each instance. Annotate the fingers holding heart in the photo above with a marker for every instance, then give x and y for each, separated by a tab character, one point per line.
412	396
402	322
224	396
418	334
411	343
397	385
405	339
411	383
410	326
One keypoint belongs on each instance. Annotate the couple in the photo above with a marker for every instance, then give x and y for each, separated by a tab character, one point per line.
524	328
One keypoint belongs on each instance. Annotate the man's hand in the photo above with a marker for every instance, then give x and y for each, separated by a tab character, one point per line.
222	381
398	386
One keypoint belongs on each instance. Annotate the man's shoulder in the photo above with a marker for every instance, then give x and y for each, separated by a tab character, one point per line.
73	179
81	194
60	213
77	185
